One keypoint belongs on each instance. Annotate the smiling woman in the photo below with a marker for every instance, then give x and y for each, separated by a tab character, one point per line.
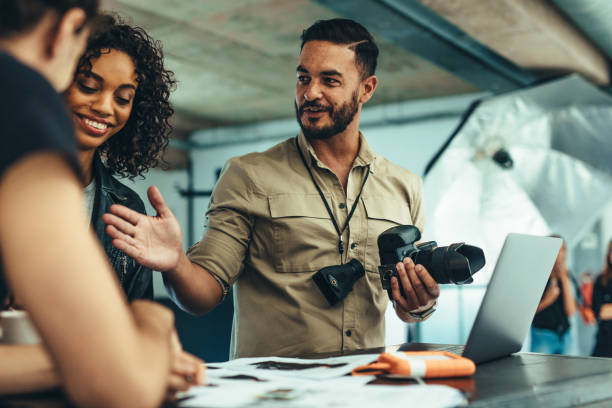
120	109
101	100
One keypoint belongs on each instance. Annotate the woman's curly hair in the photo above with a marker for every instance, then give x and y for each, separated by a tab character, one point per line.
138	146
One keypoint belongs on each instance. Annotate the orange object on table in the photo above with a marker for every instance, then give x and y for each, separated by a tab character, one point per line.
423	364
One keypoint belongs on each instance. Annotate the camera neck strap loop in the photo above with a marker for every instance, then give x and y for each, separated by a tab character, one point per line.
329	211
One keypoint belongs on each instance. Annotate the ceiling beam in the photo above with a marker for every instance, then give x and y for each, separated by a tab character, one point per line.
535	35
418	29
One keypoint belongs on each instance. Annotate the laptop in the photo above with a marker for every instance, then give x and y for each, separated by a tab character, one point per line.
511	299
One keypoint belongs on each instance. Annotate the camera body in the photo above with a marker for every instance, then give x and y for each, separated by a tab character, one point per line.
455	263
335	282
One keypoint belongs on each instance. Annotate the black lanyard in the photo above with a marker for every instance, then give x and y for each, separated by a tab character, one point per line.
331	215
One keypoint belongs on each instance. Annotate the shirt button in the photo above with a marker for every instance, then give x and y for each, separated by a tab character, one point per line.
348	333
353	245
342	205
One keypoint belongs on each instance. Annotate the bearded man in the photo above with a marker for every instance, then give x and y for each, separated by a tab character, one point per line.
277	218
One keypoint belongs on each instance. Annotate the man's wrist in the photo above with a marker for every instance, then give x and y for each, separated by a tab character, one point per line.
421	315
182	264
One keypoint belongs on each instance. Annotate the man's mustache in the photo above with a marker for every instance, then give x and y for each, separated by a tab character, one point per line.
315	105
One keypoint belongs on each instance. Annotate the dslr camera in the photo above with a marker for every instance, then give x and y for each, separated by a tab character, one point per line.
336	282
455	263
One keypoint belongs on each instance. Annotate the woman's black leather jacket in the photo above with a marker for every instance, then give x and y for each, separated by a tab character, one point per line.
136	280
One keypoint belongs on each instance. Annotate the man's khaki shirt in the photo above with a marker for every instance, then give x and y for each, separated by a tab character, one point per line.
268	233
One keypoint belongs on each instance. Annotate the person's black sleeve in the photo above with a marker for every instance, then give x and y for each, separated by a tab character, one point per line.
598	295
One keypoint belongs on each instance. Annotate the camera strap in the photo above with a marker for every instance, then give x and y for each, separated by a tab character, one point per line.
329	211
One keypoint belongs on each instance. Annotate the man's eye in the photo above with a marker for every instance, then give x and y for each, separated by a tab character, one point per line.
302	78
332	81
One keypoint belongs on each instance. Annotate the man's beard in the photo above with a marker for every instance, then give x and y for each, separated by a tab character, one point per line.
340	118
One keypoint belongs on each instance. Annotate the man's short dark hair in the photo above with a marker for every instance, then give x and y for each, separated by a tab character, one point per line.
345	31
20	16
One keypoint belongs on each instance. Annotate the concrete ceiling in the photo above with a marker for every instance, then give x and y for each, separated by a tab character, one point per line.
533	34
235	60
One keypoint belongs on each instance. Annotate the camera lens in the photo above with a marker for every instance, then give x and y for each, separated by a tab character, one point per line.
455	263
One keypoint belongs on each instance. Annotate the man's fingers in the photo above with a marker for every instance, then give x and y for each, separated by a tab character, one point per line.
129	250
119	223
118	235
157	201
400	301
421	294
410	296
124	243
432	287
127	214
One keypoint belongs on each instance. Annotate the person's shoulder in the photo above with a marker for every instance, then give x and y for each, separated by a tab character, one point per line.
257	171
30	104
15	73
269	158
33	116
272	154
21	85
387	168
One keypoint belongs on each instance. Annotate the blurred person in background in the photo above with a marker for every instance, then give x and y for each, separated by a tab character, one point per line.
602	307
586	296
550	326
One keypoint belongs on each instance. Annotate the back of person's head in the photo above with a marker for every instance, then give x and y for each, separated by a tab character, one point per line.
20	16
349	32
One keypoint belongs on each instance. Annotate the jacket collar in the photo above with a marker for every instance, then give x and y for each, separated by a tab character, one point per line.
104	180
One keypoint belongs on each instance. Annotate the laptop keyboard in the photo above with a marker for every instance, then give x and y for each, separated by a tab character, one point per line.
451	348
455	349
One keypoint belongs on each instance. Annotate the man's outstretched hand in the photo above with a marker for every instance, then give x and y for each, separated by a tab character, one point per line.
153	241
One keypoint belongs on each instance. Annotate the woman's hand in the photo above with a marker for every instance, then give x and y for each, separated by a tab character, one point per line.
185	369
550	295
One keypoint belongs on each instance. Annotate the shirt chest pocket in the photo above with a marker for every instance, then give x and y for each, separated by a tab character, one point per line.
382	214
302	232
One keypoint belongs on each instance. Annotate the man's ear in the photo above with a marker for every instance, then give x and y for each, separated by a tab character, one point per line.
66	31
368	86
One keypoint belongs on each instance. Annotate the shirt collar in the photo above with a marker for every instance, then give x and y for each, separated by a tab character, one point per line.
365	156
